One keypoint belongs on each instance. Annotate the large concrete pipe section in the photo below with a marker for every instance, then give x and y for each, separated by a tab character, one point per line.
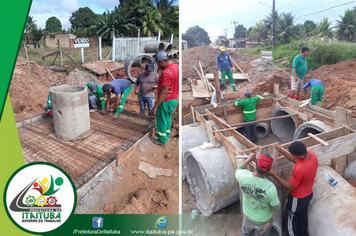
313	126
211	178
175	54
192	135
138	59
332	209
168	47
154	47
350	172
70	108
262	129
283	128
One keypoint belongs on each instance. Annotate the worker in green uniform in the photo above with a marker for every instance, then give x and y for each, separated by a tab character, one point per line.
95	96
48	108
317	90
249	111
224	63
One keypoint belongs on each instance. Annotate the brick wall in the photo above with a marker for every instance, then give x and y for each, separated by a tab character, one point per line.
66	40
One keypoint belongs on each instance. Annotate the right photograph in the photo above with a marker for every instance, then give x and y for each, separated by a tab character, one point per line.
268	133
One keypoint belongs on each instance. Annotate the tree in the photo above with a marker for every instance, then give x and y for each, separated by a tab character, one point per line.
309	26
195	35
255	32
136	8
151	23
36	35
346	28
169	16
240	32
323	29
53	24
82	18
285	32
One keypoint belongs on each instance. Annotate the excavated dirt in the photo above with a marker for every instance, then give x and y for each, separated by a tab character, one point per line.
120	190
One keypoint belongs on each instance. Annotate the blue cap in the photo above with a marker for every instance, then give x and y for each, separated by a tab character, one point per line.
93	87
149	67
247	94
160	56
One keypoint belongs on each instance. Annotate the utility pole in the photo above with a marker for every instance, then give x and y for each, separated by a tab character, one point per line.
273	26
225	33
235	23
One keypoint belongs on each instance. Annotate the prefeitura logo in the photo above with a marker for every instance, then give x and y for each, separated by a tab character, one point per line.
39	197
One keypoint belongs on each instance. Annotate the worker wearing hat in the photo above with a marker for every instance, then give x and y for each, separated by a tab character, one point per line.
168	95
95	96
300	186
249	111
224	63
259	194
144	87
121	87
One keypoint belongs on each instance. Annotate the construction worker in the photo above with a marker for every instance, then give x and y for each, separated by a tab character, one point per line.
168	95
117	86
146	81
317	90
213	98
249	111
48	108
259	194
223	62
300	186
95	96
299	70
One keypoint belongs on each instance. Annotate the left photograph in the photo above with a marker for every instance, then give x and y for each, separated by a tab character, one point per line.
95	91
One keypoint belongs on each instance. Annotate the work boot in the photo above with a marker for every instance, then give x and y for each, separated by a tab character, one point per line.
157	142
115	116
93	110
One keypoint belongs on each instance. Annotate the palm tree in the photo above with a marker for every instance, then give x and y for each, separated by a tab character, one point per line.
346	28
151	23
136	8
285	32
30	25
169	15
324	30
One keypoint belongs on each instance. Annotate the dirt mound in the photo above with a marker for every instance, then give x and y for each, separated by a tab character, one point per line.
80	77
149	201
29	88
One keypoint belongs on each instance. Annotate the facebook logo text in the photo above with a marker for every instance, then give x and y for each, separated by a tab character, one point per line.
98	222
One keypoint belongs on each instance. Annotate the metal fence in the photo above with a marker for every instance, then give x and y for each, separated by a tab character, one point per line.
124	47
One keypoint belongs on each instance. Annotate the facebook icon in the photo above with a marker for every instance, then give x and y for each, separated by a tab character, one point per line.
98	222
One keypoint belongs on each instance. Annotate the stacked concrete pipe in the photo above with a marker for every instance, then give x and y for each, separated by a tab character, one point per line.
332	209
313	126
283	128
136	60
167	47
262	129
154	47
70	108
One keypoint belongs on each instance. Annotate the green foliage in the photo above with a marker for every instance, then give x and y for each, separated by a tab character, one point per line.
196	34
53	24
346	28
151	23
82	18
36	34
52	36
324	29
240	32
286	32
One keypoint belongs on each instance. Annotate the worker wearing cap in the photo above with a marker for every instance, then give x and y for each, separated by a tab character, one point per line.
213	98
144	87
299	70
300	186
249	111
95	96
223	62
317	90
168	95
48	108
259	194
119	87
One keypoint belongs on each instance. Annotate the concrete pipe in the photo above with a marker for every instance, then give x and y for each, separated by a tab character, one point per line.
262	129
154	47
313	126
142	58
211	178
332	209
283	128
70	108
175	54
168	47
350	172
266	54
192	135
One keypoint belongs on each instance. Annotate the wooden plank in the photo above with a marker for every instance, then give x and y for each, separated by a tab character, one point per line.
217	88
193	113
231	148
301	115
225	113
209	131
199	90
235	76
248	150
348	128
237	65
113	78
319	140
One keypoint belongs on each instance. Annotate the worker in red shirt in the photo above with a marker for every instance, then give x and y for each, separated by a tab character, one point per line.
300	186
168	95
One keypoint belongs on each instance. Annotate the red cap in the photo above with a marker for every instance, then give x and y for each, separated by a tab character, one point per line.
265	162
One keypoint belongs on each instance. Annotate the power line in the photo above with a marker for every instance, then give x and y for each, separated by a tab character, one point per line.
288	4
317	5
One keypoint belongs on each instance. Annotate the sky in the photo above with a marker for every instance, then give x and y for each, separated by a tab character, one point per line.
215	16
41	10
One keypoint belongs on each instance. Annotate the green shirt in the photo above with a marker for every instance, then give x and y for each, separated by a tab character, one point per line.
249	107
300	64
99	93
49	103
259	195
